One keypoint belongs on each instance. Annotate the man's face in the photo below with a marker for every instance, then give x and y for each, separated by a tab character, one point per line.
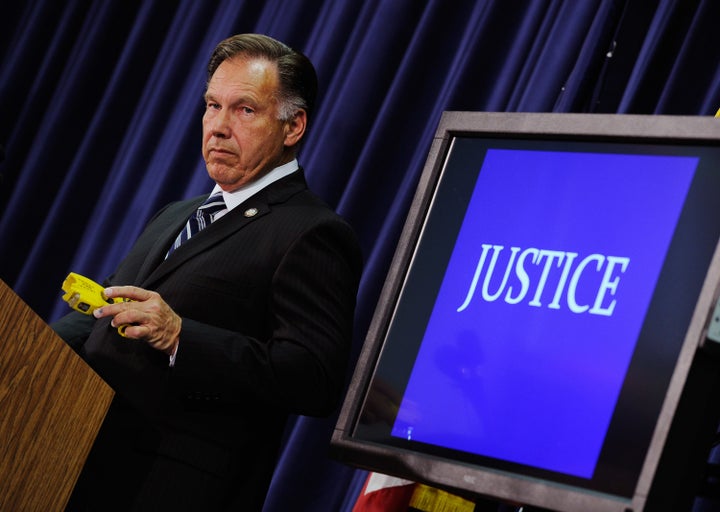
242	136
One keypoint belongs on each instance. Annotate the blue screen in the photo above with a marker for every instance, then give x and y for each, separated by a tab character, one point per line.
541	304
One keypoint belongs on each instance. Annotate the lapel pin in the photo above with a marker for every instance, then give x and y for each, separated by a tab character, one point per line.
251	212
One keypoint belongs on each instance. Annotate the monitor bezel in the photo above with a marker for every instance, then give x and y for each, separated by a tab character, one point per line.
482	481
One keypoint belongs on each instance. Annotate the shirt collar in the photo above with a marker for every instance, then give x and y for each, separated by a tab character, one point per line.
234	198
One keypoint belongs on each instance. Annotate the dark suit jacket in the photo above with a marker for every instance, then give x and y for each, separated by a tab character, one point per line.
267	296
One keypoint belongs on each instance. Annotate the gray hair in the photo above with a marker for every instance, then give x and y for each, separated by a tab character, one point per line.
298	80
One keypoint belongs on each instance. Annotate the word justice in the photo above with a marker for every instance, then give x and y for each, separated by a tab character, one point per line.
566	264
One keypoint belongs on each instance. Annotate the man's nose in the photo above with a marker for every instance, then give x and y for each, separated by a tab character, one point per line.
220	124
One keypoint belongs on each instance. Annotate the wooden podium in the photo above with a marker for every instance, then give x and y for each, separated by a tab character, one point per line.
51	408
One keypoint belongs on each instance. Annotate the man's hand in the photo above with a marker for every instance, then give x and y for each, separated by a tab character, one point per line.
147	315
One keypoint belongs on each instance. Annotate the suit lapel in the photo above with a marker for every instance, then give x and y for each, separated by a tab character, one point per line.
255	207
177	215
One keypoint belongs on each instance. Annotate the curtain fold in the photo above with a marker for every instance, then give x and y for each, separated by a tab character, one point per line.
101	104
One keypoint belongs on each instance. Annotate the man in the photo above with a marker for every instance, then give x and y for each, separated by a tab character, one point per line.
231	331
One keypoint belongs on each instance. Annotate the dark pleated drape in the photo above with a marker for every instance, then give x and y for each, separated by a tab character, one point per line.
100	106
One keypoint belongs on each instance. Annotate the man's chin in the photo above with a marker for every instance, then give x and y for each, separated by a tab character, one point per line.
228	179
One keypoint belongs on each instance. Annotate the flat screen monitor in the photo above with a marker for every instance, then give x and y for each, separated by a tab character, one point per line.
545	332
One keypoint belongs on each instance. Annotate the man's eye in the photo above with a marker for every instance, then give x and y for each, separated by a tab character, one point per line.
247	110
212	106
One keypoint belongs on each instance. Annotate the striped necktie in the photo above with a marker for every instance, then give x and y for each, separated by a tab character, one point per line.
199	220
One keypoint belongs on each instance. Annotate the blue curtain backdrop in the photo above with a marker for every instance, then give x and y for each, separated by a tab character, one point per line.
100	108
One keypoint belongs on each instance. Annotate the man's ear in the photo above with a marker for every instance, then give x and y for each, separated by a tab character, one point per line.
295	128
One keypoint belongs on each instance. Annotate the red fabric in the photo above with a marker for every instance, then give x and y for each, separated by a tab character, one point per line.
384	494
